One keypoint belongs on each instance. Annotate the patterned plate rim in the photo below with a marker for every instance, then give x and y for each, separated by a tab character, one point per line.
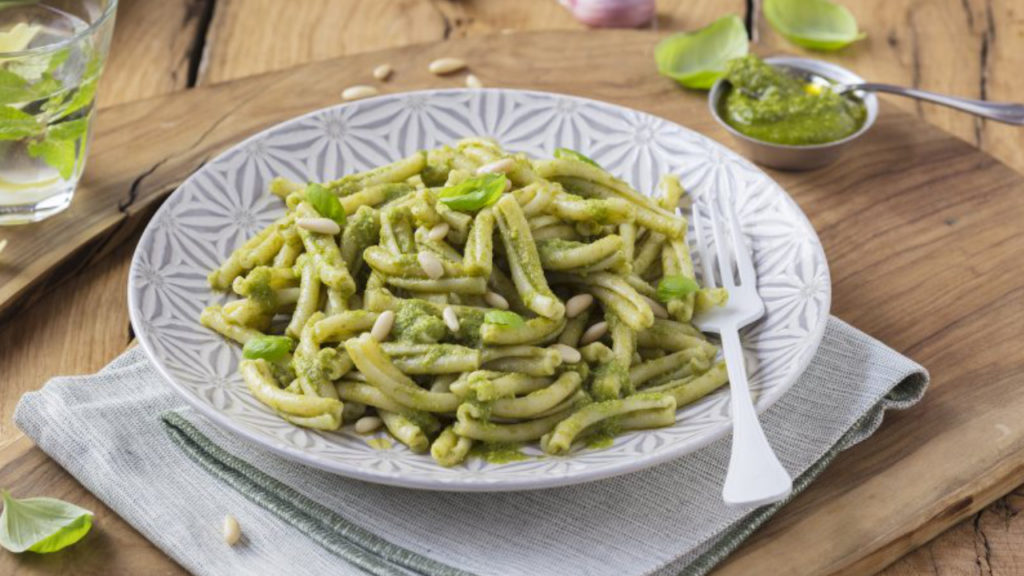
475	482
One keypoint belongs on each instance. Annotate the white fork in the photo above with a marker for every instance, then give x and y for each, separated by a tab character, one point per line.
755	475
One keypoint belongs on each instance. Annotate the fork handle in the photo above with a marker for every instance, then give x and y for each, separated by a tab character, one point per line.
755	474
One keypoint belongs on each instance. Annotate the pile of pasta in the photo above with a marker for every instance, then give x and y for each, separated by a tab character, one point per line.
468	295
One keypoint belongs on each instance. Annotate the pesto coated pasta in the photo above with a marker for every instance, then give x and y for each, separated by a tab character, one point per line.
470	297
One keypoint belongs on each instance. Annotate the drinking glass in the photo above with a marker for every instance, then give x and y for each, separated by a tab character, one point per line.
51	56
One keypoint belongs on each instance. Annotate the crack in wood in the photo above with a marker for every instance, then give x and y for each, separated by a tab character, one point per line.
983	558
448	27
202	11
988	38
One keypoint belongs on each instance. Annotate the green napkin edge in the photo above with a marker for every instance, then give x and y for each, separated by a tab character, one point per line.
377	556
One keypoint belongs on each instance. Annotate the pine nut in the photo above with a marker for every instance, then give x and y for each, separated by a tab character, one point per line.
382	326
443	66
594	333
382	72
367	424
3	244
499	167
451	319
232	532
578	304
495	300
431	264
357	92
569	354
508	185
319	225
439	232
473	82
656	308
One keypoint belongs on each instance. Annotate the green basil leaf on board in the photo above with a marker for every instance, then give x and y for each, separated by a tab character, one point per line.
269	348
697	59
41	524
326	203
475	193
676	286
504	318
60	154
814	24
564	153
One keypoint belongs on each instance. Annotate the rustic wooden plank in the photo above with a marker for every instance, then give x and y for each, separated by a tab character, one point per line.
959	47
965	48
309	30
87	320
898	272
154	46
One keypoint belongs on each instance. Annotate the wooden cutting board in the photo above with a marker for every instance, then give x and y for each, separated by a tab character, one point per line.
922	232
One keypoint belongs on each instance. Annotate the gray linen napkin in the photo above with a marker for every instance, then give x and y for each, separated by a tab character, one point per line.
127	437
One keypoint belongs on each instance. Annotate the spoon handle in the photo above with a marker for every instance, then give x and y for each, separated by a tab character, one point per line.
998	111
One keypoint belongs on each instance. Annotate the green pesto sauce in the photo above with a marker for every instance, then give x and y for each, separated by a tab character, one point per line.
603	434
383	443
788	111
257	286
417	322
497	453
469	327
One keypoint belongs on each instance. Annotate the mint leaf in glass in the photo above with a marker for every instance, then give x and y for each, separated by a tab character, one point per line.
17	125
60	154
41	525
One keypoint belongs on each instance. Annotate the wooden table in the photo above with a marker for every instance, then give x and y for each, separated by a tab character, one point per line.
960	46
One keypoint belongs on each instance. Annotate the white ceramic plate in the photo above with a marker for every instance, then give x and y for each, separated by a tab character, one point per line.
226	201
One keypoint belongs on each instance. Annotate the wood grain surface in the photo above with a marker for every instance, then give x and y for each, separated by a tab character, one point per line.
968	47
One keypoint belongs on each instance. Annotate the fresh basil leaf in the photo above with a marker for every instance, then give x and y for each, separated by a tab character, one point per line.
269	348
676	286
326	203
475	193
41	524
697	59
59	154
814	24
503	318
70	130
16	125
567	153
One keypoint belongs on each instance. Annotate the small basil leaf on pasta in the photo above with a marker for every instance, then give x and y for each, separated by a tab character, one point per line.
475	193
569	154
676	286
41	524
504	318
326	203
267	347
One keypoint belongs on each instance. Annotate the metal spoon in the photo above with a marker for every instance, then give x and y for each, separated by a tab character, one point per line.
999	111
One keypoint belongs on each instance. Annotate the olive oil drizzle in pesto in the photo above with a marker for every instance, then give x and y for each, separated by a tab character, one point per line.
768	104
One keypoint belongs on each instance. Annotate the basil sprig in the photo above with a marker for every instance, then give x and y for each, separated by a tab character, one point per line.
504	318
676	286
326	203
269	348
475	193
568	153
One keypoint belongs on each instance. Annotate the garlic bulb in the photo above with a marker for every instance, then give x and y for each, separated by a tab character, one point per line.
612	13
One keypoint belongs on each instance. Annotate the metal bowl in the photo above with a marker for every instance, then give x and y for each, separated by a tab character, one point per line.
785	157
